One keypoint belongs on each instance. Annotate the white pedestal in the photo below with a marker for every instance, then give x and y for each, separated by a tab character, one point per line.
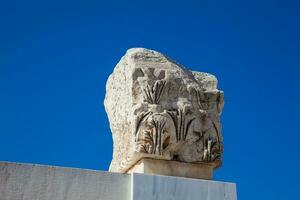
149	187
37	182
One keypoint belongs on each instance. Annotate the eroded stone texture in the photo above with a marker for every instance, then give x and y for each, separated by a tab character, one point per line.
158	109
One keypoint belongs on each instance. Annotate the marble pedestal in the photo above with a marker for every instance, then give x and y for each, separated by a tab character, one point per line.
173	168
37	182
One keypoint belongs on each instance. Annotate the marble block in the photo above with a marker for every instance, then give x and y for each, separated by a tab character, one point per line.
38	182
173	168
149	187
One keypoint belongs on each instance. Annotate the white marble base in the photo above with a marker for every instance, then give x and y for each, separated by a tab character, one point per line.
37	182
149	187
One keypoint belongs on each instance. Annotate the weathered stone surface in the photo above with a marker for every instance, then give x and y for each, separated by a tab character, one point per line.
158	109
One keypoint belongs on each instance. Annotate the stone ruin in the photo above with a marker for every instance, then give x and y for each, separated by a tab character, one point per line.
164	118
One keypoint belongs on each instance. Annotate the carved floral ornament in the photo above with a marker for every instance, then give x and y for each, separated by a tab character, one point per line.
166	132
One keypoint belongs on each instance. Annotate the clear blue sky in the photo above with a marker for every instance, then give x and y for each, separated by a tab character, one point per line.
55	57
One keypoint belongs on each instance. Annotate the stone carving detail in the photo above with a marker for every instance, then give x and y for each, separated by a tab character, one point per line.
153	136
158	109
153	94
181	123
